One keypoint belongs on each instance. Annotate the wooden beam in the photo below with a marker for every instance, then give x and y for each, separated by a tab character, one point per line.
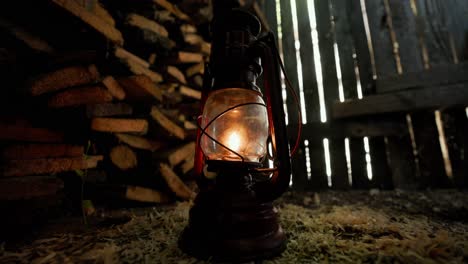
351	128
442	75
404	101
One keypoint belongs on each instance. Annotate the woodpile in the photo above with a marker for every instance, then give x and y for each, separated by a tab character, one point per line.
107	91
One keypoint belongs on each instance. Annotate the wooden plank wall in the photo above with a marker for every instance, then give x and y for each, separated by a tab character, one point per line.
361	43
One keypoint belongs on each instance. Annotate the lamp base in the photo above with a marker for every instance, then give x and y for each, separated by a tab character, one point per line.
232	227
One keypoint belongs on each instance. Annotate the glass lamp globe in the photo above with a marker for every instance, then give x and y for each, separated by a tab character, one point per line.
237	118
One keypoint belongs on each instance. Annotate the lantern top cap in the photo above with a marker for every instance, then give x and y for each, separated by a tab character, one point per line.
237	19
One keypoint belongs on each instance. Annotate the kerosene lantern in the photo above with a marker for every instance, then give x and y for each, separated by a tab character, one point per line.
243	157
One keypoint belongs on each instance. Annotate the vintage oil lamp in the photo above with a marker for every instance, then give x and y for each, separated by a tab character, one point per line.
233	218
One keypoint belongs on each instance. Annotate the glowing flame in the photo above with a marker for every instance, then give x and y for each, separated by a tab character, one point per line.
234	141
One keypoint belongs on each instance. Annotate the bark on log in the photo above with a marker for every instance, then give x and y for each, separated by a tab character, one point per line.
167	124
141	194
13	168
120	125
64	78
139	142
37	151
175	183
148	24
176	74
29	187
108	109
92	20
114	87
80	96
173	9
25	132
183	153
195	69
140	87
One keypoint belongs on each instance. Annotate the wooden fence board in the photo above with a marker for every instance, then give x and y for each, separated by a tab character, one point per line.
289	57
330	83
385	64
404	101
440	75
344	41
423	122
307	60
438	26
290	63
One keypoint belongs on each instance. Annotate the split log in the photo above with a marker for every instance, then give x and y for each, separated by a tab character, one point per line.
175	183
193	39
92	20
180	154
173	9
37	151
114	87
188	165
152	58
29	39
101	12
64	78
29	187
25	132
205	48
189	92
140	87
195	69
14	168
123	157
80	96
127	57
167	124
197	80
188	57
139	142
108	109
147	24
138	69
189	125
164	16
176	74
188	29
141	194
119	125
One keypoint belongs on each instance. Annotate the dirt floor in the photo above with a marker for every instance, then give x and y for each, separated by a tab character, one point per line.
328	227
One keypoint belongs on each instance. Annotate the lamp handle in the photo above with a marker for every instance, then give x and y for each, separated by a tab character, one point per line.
279	182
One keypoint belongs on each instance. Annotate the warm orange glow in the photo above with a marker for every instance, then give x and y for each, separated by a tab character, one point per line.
234	140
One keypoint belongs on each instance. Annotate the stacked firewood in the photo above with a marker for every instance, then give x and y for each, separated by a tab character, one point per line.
121	115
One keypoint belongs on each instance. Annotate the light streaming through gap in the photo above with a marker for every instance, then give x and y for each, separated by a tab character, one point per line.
280	50
368	158
317	63
443	144
348	162
297	46
326	147
307	156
